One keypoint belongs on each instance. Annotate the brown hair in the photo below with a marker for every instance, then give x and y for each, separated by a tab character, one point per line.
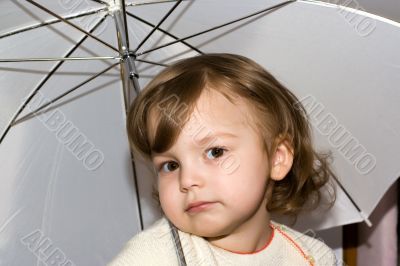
160	111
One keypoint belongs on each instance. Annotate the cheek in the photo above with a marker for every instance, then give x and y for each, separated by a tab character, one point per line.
250	194
168	196
249	179
252	169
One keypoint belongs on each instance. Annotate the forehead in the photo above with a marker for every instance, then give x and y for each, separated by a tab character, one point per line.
216	111
213	113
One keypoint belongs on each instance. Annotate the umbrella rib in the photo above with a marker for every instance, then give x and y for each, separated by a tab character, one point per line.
164	31
151	2
16	60
333	175
217	27
35	112
48	76
125	103
158	25
8	34
151	62
345	191
100	2
71	24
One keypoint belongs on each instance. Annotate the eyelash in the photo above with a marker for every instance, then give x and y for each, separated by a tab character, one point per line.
223	149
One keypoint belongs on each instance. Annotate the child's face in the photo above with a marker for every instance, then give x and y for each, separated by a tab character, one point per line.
229	170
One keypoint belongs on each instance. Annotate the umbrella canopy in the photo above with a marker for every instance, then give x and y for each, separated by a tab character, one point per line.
69	186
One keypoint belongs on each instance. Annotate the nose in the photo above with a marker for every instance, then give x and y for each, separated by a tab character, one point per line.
191	176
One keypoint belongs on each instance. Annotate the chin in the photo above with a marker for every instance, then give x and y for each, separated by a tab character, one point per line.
213	234
211	230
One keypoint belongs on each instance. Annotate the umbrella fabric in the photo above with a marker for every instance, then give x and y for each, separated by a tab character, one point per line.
67	175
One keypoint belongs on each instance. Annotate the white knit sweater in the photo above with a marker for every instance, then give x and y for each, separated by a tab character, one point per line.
287	247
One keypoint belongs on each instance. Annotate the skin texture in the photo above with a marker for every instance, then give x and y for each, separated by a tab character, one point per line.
218	157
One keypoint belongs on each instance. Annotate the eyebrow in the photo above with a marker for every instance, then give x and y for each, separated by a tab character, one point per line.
214	136
202	141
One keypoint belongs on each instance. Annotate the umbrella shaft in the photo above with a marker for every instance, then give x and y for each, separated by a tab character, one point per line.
129	73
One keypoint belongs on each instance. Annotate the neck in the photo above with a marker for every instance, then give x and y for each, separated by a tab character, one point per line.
251	236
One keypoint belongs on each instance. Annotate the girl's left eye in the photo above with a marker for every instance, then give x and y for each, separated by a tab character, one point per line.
215	152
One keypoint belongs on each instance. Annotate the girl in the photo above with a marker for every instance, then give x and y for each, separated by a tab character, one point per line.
230	145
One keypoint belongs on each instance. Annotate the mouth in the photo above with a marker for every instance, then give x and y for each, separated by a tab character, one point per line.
199	206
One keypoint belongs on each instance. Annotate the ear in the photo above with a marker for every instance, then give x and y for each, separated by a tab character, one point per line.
282	161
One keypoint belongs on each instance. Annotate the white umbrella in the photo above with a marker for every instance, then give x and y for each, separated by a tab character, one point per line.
68	183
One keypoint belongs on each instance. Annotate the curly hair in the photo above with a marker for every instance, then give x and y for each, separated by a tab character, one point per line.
169	99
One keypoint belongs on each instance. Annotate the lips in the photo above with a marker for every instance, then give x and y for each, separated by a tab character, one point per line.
197	204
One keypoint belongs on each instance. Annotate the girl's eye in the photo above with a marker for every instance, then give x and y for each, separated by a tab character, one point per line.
169	166
215	152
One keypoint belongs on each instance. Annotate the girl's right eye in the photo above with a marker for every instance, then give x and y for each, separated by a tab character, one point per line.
169	167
